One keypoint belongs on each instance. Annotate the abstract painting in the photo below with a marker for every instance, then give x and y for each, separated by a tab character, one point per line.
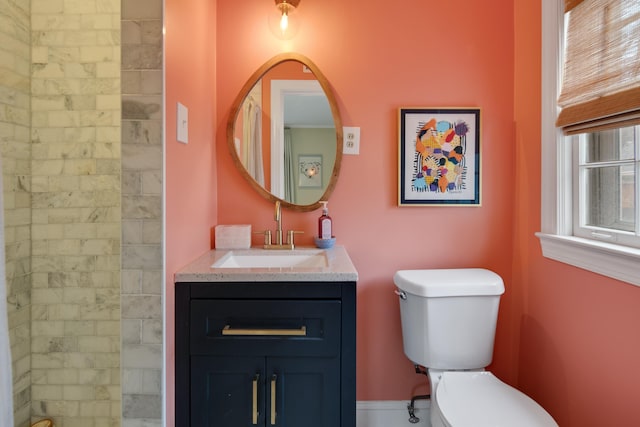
439	157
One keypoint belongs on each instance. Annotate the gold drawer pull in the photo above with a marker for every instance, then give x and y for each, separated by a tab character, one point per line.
228	330
273	399
255	399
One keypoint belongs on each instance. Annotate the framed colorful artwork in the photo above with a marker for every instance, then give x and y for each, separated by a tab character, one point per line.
439	157
310	170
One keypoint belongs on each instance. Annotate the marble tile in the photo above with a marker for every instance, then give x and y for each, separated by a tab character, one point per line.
132	381
152	232
141	62
47	6
141	406
152	330
131	281
131	32
152	282
131	232
108	166
142	9
152	381
141	57
151	32
151	82
131	334
131	182
132	82
141	422
79	327
141	257
142	132
142	207
141	307
108	328
152	182
139	157
137	107
142	356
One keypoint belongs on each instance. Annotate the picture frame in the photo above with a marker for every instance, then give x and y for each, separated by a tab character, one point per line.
310	170
439	157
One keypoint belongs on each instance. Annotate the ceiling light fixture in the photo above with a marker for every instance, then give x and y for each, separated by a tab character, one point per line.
286	8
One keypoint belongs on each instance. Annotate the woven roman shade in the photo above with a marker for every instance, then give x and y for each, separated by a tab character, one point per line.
601	79
570	4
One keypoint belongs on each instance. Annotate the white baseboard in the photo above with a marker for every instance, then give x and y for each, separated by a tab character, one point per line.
391	413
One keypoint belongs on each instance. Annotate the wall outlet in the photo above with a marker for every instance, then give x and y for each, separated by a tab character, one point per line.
351	140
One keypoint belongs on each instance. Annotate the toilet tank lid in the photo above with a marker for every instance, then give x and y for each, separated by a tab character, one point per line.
449	282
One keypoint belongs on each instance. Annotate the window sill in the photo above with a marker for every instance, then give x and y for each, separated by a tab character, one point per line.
618	262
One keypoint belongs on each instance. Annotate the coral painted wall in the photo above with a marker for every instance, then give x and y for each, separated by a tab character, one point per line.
190	175
579	333
439	54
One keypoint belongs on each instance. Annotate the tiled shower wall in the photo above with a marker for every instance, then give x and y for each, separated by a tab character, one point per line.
69	211
15	149
142	151
76	220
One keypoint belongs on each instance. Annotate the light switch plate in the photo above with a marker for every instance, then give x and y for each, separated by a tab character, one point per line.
351	140
182	125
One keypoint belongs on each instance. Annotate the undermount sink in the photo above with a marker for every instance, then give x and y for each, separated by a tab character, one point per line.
272	259
300	265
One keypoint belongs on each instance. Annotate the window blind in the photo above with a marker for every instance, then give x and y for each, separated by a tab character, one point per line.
601	76
570	4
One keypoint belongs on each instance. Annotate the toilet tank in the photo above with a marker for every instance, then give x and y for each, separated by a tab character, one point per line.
449	316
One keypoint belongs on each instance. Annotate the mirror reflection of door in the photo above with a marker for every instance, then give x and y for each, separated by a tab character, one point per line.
303	141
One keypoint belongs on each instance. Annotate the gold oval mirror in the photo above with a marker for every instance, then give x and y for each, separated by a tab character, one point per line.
285	133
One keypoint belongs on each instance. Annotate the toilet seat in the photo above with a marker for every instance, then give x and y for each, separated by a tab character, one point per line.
479	399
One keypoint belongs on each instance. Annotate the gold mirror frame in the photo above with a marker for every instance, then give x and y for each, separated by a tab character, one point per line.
237	105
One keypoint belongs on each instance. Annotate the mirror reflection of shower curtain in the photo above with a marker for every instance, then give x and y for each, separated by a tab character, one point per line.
289	168
252	140
6	378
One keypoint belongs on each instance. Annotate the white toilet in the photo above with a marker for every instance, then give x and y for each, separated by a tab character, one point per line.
448	326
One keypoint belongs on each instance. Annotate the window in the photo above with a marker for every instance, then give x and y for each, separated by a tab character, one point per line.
604	199
591	150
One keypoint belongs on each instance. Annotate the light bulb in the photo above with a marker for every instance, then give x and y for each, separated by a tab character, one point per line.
284	21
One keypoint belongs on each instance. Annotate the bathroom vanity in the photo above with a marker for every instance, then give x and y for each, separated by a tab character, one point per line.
264	345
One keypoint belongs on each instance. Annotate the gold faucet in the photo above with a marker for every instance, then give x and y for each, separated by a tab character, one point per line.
278	219
278	237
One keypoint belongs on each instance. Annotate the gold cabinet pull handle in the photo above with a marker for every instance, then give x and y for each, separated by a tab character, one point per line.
274	378
228	330
254	415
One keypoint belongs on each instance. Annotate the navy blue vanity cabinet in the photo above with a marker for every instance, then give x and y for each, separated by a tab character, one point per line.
265	354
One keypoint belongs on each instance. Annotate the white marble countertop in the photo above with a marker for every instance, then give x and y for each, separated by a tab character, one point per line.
339	269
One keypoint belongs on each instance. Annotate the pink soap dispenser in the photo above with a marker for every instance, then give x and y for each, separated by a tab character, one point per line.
325	224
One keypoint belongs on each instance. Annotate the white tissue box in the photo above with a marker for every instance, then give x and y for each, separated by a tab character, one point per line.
233	236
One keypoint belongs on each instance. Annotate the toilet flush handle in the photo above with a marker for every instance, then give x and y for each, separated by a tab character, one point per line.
401	294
